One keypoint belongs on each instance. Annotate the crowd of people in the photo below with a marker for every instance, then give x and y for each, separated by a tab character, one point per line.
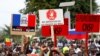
47	48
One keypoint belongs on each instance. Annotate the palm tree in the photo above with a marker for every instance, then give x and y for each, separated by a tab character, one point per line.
6	32
1	36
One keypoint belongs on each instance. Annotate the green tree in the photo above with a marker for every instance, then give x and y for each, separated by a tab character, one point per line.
81	6
6	32
1	36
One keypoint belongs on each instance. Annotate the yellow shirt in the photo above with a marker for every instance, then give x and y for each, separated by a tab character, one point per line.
65	49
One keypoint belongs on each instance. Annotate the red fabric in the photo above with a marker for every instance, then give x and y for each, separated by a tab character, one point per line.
8	43
87	23
59	30
76	36
46	31
66	22
31	20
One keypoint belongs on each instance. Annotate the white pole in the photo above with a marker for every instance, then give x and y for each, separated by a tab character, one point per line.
91	12
67	15
90	6
52	33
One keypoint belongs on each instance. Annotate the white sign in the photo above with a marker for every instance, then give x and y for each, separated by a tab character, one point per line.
51	17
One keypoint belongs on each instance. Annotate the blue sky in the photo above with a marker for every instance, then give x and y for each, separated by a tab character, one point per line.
8	7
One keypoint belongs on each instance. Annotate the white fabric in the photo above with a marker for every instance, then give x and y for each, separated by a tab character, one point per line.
59	44
33	51
24	20
77	50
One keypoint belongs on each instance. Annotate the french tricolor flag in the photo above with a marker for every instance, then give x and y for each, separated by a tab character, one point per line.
20	20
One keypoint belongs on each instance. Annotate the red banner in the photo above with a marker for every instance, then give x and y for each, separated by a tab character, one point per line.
76	36
46	31
87	23
59	30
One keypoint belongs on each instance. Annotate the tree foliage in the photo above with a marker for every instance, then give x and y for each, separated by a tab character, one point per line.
6	31
81	6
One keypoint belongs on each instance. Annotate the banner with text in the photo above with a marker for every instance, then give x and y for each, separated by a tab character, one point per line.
87	23
23	24
51	17
59	30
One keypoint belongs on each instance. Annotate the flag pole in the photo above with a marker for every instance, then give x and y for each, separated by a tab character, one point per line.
91	7
86	44
52	35
55	41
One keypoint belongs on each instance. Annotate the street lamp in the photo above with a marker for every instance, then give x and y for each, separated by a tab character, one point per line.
64	4
90	6
67	13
